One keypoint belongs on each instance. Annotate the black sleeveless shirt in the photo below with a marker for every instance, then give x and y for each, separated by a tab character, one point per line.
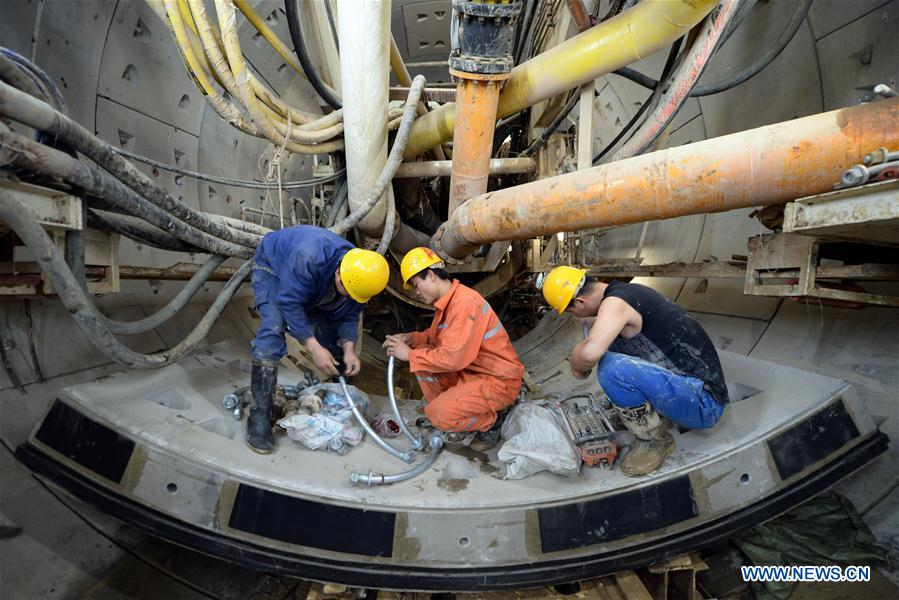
670	337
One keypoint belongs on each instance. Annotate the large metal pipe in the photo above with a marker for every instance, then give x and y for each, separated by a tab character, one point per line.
634	34
768	165
443	168
364	29
473	139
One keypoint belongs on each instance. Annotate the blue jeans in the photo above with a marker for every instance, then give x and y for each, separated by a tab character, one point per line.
270	343
631	381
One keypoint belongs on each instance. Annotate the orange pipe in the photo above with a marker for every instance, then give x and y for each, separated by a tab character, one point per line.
476	102
773	164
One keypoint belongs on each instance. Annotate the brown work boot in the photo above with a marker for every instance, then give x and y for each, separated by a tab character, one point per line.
653	441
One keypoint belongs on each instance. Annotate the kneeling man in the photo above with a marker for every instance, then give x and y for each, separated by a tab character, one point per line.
654	359
465	363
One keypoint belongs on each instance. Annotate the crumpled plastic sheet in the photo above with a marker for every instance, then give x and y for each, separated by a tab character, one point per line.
334	427
826	530
536	441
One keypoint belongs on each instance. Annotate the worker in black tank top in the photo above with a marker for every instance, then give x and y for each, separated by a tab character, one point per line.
653	357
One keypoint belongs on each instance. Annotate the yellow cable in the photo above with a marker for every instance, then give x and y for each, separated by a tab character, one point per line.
269	35
198	71
228	26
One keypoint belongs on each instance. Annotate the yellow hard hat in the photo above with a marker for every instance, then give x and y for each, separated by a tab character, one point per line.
364	274
561	285
416	261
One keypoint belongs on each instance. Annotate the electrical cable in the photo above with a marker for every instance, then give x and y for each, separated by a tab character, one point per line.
666	71
783	40
35	157
21	107
12	74
551	128
255	185
394	159
40	77
299	47
682	81
332	26
82	308
527	22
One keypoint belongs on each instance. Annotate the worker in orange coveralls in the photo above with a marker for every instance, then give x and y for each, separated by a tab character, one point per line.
465	363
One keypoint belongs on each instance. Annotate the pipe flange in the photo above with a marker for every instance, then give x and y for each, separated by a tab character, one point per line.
436	246
476	65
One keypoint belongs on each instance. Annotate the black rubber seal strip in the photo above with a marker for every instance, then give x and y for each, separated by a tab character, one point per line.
364	573
812	440
88	443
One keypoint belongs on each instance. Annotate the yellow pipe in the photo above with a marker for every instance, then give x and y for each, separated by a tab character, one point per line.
269	35
634	34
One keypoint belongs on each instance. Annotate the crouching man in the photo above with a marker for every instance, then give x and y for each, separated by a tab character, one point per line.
465	363
654	359
313	283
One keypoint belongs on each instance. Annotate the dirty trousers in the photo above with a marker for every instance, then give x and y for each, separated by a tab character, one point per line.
463	401
270	343
631	381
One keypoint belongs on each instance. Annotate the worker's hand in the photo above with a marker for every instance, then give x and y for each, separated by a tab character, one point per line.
396	348
323	359
352	362
398	337
580	374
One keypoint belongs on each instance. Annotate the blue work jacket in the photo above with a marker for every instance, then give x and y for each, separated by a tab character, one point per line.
304	258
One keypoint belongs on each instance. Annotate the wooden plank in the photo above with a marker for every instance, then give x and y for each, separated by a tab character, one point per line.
632	586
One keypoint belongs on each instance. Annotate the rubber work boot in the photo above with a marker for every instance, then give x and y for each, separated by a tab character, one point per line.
262	385
653	441
485	440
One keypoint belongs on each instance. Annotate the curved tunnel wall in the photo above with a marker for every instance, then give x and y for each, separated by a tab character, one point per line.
121	76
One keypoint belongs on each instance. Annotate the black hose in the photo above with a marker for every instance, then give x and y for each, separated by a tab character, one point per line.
656	93
773	52
522	40
299	48
136	230
332	26
35	157
172	308
549	130
21	107
621	133
82	309
749	72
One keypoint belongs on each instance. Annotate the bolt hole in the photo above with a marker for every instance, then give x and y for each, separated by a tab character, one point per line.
155	172
464	541
179	179
171	488
744	478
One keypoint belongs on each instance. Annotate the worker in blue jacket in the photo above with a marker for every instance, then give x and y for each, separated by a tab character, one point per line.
311	283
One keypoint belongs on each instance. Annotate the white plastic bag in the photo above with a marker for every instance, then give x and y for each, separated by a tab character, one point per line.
536	441
334	427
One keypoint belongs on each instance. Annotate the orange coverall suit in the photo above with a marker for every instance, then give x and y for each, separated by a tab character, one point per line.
465	363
